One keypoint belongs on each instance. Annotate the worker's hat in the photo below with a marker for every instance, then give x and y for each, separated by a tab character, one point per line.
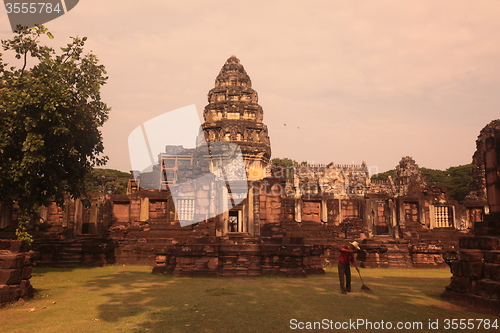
355	244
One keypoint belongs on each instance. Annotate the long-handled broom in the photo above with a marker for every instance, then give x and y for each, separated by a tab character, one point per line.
363	286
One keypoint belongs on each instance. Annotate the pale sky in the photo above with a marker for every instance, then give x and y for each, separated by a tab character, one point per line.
352	80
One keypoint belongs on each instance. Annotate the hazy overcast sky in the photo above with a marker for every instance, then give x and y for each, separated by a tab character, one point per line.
352	80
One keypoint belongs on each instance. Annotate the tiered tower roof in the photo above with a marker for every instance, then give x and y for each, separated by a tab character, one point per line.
234	115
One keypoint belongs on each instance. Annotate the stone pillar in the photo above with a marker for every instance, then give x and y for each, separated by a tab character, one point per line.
340	210
250	211
324	211
432	217
393	218
256	211
94	210
224	208
369	217
298	210
421	213
66	212
78	216
144	214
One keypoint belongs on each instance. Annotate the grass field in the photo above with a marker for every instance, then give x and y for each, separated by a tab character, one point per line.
130	299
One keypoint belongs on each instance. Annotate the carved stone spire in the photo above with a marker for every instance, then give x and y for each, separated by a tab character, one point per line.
409	178
234	115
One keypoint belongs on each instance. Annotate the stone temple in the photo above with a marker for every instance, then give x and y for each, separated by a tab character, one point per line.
233	114
280	220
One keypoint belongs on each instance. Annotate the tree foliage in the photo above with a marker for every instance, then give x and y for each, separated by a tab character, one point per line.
107	181
455	179
286	162
50	115
384	175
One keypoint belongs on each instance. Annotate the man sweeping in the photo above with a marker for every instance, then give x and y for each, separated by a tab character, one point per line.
346	257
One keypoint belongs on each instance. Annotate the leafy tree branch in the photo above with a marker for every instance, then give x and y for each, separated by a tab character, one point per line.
50	119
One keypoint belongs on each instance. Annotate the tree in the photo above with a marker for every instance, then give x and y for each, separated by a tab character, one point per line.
456	180
434	177
107	181
286	162
384	175
50	115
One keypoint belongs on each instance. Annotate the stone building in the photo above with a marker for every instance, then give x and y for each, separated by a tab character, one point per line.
234	115
476	270
266	219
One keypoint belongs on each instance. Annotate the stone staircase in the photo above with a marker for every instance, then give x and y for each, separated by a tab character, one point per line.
84	250
385	252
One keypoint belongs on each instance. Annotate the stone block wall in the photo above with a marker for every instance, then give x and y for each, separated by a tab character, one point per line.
476	272
81	251
239	260
385	253
16	265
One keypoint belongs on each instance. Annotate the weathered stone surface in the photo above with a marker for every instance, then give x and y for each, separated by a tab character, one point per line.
487	289
15	272
492	271
476	276
492	256
11	260
26	290
10	276
471	255
472	270
14	246
482	243
478	183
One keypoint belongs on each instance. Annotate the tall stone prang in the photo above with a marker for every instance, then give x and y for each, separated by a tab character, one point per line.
409	178
234	115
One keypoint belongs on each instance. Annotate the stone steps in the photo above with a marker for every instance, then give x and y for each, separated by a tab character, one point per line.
82	251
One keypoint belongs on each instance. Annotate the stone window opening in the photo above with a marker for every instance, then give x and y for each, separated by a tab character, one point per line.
235	221
185	209
443	216
380	217
158	208
311	210
411	212
89	214
474	214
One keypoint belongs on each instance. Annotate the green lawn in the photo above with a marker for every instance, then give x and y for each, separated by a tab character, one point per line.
130	299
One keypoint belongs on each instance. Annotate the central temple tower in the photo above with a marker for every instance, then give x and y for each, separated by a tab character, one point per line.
234	115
